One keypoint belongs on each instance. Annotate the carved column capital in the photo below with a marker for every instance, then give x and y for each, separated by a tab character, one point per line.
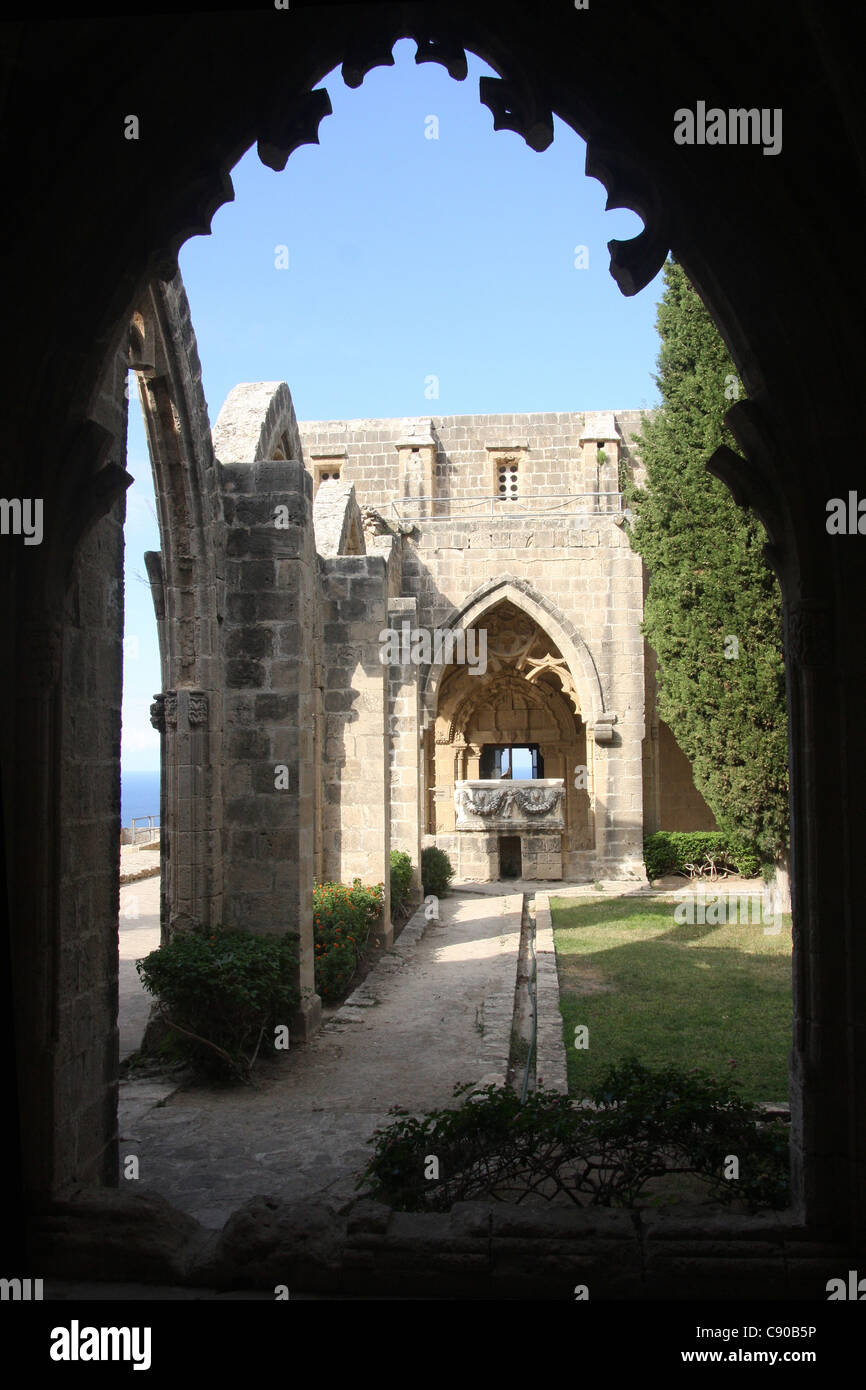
163	711
157	713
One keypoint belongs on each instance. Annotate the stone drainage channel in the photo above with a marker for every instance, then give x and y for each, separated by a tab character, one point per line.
522	1063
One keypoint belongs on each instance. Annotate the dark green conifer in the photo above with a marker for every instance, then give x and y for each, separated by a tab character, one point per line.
710	589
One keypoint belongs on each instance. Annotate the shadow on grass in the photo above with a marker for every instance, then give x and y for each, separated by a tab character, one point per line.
641	983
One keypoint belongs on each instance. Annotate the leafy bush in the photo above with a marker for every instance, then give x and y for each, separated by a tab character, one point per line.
223	992
342	918
436	870
669	851
401	879
639	1124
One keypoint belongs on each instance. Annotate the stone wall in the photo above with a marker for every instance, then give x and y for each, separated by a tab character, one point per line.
580	566
671	799
269	634
551	455
79	1139
588	576
356	763
682	806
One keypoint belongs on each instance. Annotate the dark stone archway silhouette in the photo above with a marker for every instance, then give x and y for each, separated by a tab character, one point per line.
95	218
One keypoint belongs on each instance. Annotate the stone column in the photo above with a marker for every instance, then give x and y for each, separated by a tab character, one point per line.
356	811
600	434
473	762
268	704
157	719
416	467
406	754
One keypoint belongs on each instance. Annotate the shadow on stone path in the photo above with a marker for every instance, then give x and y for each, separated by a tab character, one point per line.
436	1010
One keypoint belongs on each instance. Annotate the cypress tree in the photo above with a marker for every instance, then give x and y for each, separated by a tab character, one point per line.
713	610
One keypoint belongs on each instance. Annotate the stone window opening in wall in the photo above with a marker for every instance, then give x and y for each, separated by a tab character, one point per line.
507	480
324	475
283	449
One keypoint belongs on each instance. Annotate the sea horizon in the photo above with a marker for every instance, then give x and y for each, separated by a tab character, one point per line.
139	796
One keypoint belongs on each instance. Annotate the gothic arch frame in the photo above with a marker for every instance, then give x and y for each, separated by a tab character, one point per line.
59	407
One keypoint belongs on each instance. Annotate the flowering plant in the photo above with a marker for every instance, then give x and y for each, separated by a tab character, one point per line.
342	919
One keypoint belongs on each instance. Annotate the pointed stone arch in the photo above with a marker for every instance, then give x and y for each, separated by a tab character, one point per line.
185	587
337	520
547	616
257	421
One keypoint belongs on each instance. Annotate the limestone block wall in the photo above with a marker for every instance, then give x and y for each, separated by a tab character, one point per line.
681	805
671	799
356	762
407	761
582	565
269	633
257	421
587	572
550	454
78	1048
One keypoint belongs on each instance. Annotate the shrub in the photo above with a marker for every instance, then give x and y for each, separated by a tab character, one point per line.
640	1124
436	870
342	918
669	851
401	879
223	992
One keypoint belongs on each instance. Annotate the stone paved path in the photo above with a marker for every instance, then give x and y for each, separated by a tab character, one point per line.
436	1010
139	934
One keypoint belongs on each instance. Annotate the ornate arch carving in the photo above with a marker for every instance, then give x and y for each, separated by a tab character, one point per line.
491	689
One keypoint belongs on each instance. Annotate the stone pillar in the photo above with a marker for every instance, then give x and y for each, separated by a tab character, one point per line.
600	436
473	762
406	754
416	468
268	633
356	809
825	670
188	813
157	719
619	798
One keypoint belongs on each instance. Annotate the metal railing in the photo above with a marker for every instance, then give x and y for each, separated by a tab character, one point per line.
504	508
152	827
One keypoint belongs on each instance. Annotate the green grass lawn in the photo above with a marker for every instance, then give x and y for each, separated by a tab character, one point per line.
697	996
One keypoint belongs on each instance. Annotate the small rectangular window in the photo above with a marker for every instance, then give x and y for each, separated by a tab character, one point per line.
506	480
325	473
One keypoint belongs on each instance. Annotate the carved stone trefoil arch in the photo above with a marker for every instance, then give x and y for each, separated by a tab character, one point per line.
519	592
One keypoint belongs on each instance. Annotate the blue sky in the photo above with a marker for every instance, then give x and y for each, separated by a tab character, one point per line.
408	258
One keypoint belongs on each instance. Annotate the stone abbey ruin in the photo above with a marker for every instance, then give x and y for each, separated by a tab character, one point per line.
292	747
96	222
